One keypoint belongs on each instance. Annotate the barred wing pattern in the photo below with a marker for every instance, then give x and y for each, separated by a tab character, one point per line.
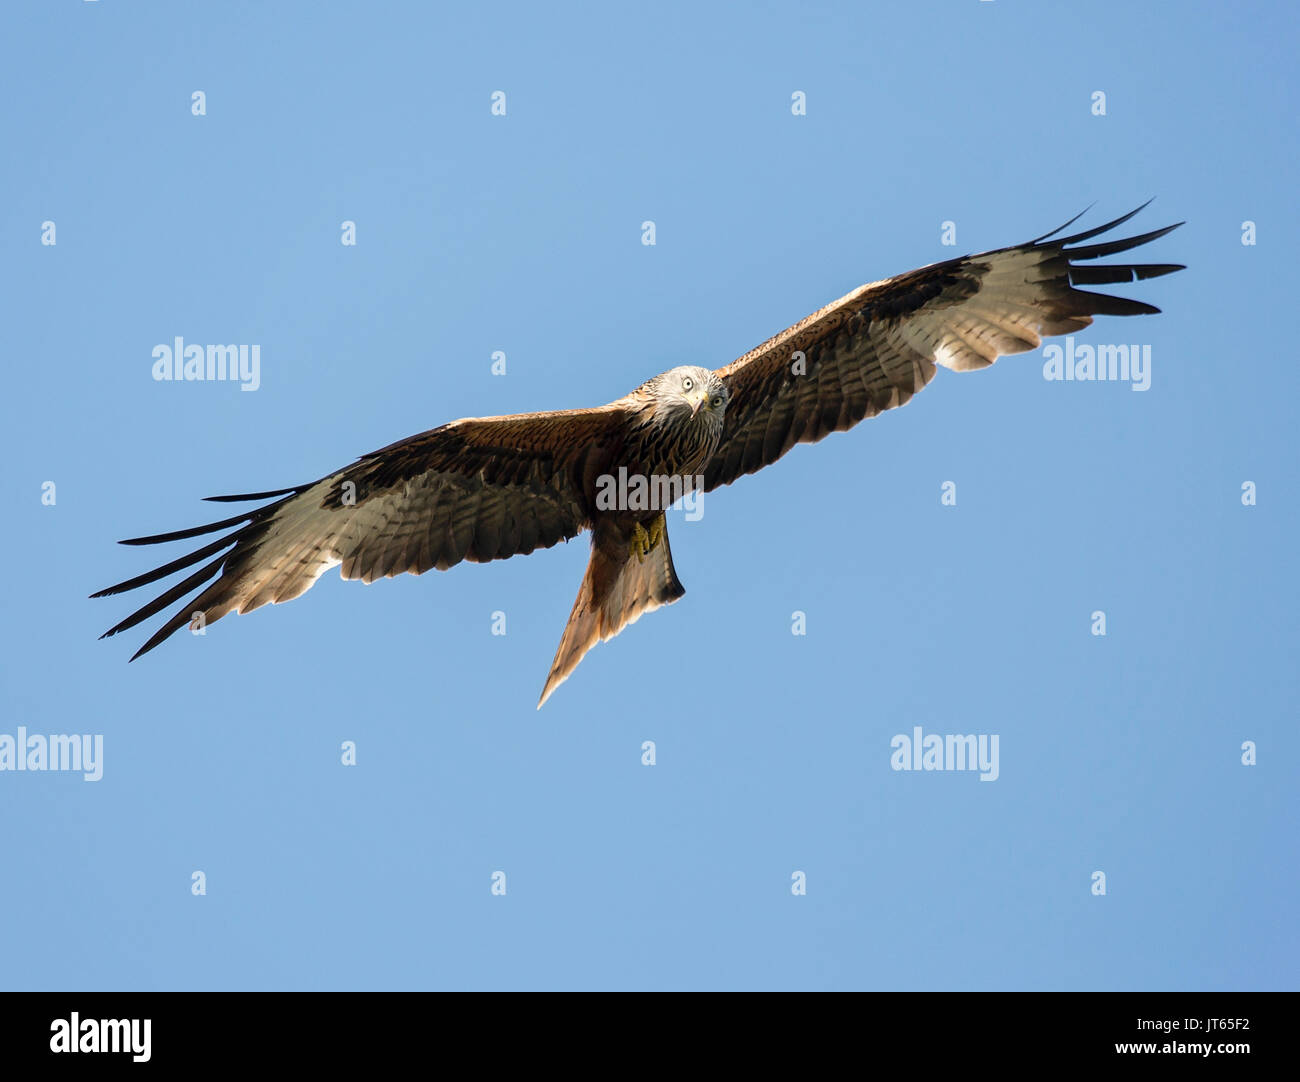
478	489
875	348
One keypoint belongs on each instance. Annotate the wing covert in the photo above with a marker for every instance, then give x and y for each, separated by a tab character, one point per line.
876	347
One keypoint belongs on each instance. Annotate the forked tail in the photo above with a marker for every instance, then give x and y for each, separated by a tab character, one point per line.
617	588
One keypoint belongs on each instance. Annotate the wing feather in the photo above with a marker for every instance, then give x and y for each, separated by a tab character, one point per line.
875	348
477	489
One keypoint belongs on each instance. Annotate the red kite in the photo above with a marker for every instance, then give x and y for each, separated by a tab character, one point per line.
487	488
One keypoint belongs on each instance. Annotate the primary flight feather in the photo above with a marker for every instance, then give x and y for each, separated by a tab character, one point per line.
487	488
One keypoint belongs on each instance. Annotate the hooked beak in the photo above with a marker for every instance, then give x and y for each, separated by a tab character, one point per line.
697	400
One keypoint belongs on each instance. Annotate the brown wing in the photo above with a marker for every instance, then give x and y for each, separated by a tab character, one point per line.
875	348
479	489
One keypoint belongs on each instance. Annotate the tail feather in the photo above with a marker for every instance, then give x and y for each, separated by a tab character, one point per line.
617	588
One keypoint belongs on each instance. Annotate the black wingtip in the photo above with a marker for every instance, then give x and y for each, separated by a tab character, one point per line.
1113	247
246	526
1067	225
1104	227
244	496
1109	274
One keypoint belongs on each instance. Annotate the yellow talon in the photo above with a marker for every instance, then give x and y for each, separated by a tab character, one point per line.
643	540
656	533
640	542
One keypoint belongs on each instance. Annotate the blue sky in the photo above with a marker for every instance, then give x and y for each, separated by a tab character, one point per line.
522	233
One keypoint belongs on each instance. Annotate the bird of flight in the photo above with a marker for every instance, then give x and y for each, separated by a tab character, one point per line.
486	488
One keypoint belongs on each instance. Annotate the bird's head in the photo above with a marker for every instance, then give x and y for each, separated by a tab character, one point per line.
690	393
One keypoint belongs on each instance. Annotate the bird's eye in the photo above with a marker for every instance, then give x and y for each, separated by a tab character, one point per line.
717	401
687	383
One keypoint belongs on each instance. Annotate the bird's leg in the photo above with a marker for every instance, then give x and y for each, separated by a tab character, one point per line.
643	540
640	542
657	530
